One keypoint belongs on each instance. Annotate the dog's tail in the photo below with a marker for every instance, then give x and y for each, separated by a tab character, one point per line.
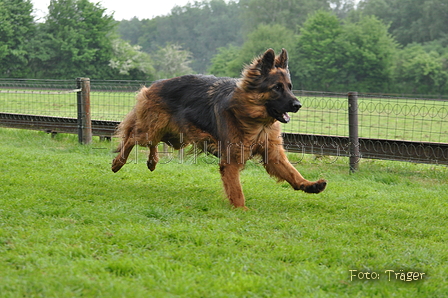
126	128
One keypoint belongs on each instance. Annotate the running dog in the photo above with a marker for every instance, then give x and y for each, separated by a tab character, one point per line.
233	119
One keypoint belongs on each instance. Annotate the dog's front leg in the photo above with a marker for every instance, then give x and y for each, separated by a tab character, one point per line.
278	165
230	175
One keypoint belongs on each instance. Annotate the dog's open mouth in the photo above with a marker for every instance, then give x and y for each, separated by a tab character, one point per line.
282	117
286	117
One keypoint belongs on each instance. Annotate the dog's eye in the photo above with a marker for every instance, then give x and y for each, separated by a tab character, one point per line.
278	87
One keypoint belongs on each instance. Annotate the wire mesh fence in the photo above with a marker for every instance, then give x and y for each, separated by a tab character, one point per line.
385	122
38	97
380	117
410	119
110	100
322	113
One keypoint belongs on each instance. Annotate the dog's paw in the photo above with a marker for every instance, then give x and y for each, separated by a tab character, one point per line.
316	187
116	165
151	165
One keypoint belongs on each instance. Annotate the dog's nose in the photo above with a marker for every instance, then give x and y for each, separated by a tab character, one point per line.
296	105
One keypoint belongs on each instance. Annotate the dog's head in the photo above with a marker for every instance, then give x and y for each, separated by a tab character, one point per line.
268	77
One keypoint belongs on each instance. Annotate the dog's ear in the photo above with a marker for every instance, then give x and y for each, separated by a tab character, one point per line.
281	61
266	62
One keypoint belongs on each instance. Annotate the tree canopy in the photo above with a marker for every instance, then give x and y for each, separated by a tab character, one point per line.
75	33
411	21
317	55
16	30
265	36
201	28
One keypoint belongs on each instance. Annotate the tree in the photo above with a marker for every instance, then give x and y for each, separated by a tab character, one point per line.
75	41
335	57
410	20
200	27
421	71
172	61
5	33
222	62
318	53
342	8
369	53
16	29
264	37
273	36
130	30
130	62
149	35
288	13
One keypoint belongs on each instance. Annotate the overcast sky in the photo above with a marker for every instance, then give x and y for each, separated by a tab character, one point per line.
123	9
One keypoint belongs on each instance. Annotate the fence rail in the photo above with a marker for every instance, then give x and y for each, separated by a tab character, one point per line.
394	128
101	128
418	152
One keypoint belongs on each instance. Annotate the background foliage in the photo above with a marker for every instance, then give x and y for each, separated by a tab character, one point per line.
390	46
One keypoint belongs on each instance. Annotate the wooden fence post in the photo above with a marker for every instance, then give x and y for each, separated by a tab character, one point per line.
353	131
84	117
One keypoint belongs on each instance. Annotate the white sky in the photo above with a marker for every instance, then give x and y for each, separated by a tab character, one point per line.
123	9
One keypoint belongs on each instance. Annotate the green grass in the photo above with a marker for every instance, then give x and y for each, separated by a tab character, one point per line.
386	118
69	227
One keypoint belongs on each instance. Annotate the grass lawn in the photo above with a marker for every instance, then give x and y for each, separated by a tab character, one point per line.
69	227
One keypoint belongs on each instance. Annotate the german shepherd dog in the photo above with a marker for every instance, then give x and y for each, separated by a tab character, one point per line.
233	119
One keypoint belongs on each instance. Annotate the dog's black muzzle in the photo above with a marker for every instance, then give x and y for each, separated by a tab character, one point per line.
296	105
280	112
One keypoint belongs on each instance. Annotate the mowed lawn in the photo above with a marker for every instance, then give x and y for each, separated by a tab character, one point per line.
69	227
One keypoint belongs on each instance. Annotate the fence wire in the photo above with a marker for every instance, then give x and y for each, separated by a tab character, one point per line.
110	100
113	100
38	97
380	117
409	119
322	114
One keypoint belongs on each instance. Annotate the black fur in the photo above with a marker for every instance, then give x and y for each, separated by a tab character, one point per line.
199	100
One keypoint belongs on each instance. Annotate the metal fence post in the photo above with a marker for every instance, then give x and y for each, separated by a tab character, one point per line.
84	117
353	131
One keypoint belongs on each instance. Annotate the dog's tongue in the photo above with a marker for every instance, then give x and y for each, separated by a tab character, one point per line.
286	117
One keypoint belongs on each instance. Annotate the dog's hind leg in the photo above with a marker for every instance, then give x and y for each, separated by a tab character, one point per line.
230	175
153	158
123	154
